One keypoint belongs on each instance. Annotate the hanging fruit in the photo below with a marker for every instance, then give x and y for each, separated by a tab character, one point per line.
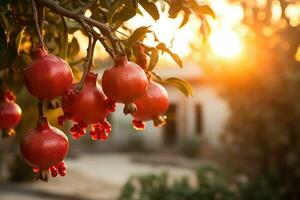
44	148
87	106
151	106
124	83
47	76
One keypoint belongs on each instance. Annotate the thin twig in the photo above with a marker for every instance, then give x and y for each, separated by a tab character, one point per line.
41	16
88	62
36	24
64	23
86	7
107	48
41	108
103	28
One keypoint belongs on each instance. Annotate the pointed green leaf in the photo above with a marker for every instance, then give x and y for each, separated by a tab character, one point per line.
63	45
138	34
186	17
175	57
162	46
153	59
175	8
205	29
5	22
72	25
180	84
73	47
19	39
126	13
206	10
3	6
201	9
151	8
156	77
115	6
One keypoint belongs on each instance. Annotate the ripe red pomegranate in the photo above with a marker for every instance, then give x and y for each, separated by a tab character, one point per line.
10	114
124	83
87	106
47	76
151	106
44	148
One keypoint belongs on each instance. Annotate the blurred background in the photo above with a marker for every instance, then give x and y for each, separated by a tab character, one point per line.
236	138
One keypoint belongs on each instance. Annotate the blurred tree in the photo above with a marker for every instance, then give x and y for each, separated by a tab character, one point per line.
263	92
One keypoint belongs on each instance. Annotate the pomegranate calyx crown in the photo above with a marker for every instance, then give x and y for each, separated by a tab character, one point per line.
120	60
39	52
43	123
91	78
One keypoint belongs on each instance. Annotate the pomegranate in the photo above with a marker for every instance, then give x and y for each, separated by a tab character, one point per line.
151	106
10	114
124	83
47	76
87	106
44	148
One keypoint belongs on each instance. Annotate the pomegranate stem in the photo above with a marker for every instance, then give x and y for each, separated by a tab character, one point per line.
41	108
36	24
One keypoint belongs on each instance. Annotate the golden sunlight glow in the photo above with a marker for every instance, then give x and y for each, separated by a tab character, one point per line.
225	40
225	44
167	31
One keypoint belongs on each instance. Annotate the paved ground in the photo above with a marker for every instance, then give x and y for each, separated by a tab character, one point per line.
92	176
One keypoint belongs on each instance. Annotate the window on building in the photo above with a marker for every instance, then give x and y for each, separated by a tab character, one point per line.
199	118
170	133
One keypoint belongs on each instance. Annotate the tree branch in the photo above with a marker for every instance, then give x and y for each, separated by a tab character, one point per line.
103	28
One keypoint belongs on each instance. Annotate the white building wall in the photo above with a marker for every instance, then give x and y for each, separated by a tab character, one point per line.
214	116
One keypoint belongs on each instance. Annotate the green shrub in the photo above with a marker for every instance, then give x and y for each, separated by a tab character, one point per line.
211	184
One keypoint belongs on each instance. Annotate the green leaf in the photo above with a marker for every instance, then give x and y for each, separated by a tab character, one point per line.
175	7
151	8
5	22
121	11
63	44
3	6
126	13
206	10
186	17
201	9
72	25
19	39
181	84
176	58
205	29
162	46
156	77
137	35
153	59
115	6
73	47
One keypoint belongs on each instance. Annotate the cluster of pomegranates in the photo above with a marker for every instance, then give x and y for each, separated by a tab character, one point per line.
87	105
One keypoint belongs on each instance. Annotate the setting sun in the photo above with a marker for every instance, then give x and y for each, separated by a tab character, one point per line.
225	44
